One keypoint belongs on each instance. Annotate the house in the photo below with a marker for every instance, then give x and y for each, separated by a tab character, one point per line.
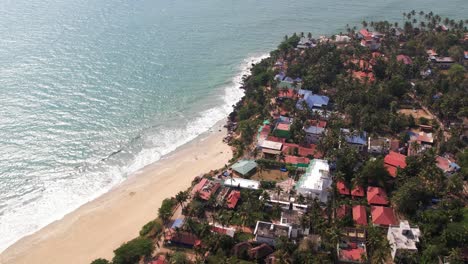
313	101
342	188
340	39
292	218
260	252
357	191
266	232
287	94
342	211
244	168
181	239
242	183
282	130
280	76
442	62
378	145
228	231
371	43
364	34
404	59
161	259
402	238
447	165
393	161
296	150
356	140
316	181
315	130
360	215
376	195
299	162
240	250
364	77
270	149
205	188
352	247
305	43
233	198
383	216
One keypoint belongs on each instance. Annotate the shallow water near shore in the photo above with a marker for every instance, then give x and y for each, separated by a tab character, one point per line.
92	91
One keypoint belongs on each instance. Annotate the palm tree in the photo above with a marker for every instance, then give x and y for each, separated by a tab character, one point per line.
182	197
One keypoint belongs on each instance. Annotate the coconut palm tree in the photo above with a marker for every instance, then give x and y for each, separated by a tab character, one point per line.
182	197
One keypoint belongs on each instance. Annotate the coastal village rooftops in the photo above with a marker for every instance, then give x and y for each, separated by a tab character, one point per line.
276	139
351	252
287	93
364	76
383	216
404	59
342	188
244	167
394	160
205	188
357	191
431	53
283	126
271	145
312	100
403	237
342	211
181	238
270	230
242	183
296	160
222	230
376	195
360	215
443	60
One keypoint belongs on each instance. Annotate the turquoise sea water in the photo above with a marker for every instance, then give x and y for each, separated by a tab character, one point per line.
93	90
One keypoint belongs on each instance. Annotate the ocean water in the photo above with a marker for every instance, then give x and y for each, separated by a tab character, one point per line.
91	91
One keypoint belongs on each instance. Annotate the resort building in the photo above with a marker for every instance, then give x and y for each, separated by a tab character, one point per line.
205	188
315	130
442	62
360	215
378	145
342	188
299	162
383	216
352	247
313	101
447	165
181	239
402	238
357	191
242	183
316	181
357	140
376	195
271	149
292	218
393	161
266	232
244	167
282	130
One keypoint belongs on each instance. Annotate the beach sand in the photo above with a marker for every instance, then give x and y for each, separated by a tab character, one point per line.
97	228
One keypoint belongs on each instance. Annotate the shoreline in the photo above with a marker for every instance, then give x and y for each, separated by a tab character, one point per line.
96	228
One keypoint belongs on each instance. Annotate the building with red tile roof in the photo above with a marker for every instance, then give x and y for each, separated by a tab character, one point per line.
342	188
376	195
297	161
383	216
181	238
404	59
233	198
160	260
288	149
364	76
287	93
342	211
360	215
394	160
205	188
276	139
352	252
357	191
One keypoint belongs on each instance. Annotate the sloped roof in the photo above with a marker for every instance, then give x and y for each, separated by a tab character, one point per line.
233	198
395	160
244	166
376	195
357	191
382	215
360	215
296	160
360	139
342	211
405	59
342	188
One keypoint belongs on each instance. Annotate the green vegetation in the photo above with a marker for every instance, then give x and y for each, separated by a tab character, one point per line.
132	251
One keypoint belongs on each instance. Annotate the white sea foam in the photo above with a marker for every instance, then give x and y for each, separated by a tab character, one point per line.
96	179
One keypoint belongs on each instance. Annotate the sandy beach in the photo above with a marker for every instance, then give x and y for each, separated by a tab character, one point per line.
98	227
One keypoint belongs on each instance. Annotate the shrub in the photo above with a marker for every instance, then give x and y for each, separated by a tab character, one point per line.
132	251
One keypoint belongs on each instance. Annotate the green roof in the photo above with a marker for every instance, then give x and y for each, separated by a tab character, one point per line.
244	166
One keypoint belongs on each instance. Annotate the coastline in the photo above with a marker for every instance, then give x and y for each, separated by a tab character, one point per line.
98	227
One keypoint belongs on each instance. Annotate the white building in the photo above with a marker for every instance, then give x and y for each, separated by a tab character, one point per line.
316	181
403	238
242	183
266	232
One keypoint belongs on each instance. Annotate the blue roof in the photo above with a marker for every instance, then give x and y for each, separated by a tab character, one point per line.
298	79
280	76
360	139
178	223
314	130
312	100
288	79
